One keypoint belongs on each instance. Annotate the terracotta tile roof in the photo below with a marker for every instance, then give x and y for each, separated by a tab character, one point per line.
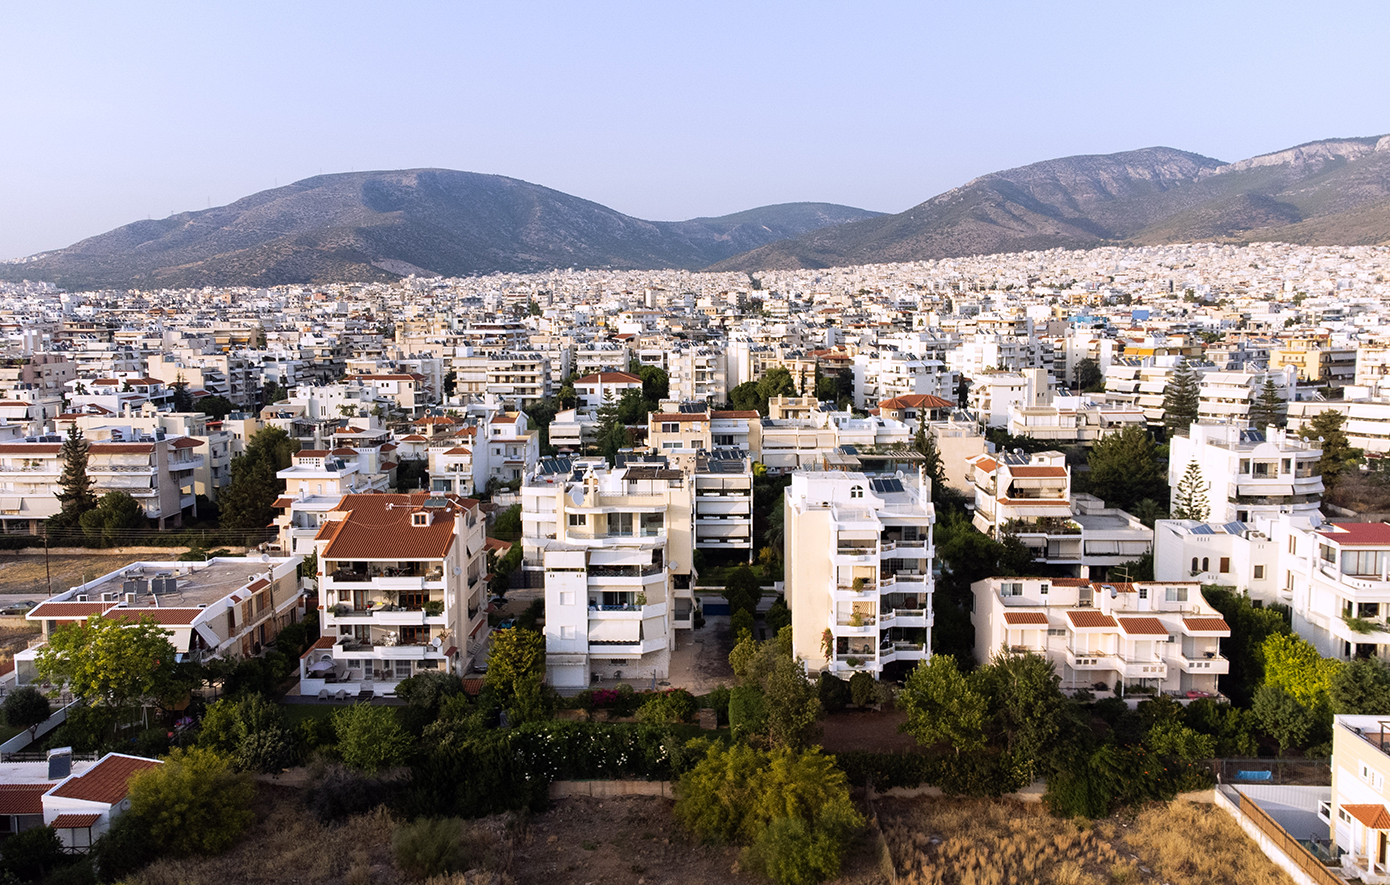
1070	582
281	503
414	437
184	442
106	782
1207	625
986	464
1358	534
505	418
319	644
680	416
62	611
1373	816
1018	619
22	798
916	401
1143	627
736	413
1085	619
1038	471
459	450
311	453
30	448
74	821
173	617
122	448
379	527
497	544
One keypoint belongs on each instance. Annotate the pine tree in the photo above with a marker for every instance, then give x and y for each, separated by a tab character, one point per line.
1180	400
924	444
1338	456
76	495
1268	407
1190	499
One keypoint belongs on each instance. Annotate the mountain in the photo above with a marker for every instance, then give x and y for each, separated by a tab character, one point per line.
1334	192
367	226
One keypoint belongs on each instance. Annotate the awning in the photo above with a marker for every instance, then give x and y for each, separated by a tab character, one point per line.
615	630
322	666
1038	482
779	459
209	637
620	556
1266	491
11	505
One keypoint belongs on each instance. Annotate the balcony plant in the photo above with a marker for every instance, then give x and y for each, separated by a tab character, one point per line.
640	599
339	610
856	619
859	584
853	662
827	642
1361	625
434	608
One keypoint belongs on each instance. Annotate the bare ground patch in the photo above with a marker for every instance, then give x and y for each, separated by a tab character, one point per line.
28	574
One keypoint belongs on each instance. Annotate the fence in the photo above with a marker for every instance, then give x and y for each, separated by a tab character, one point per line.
12	746
1265	770
1279	838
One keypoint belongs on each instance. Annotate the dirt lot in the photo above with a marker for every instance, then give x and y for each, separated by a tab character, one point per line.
26	574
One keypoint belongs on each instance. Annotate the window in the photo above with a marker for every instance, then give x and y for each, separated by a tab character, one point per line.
1363	562
1015	589
579	519
1290	582
670	427
1293	545
1195	569
856	491
1206	564
1043	590
1245	465
419	519
1176	594
567	597
1326	553
1259	573
402	669
1143	592
1225	566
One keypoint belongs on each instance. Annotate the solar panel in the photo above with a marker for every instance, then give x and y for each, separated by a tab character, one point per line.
887	485
1203	529
692	408
1234	528
1252	436
436	502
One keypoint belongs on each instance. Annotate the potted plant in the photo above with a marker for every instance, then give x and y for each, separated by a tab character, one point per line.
434	608
853	662
640	599
827	643
339	610
856	619
859	584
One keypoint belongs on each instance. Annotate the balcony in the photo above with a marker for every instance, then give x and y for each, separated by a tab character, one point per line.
627	611
903	651
905	617
1148	667
1091	660
623	649
1209	662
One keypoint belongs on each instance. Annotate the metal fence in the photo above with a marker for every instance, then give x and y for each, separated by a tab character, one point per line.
1267	770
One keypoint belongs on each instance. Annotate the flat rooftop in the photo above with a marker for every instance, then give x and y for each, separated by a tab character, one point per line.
195	583
1100	521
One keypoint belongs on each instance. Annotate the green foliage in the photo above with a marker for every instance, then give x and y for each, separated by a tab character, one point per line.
656	385
1359	687
1125	469
32	854
75	494
941	706
1230	727
246	501
371	738
834	692
507	524
743	590
793	707
747	712
741	624
778	615
109	523
432	847
790	852
1250	627
668	707
124	849
25	707
516	673
1269	407
217	407
1338	456
1087	377
108	661
428	690
718	701
1285	718
924	444
1181	398
1190	501
863	691
412	474
341	793
193	804
1294	665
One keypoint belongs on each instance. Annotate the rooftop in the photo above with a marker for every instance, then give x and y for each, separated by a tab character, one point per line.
194	584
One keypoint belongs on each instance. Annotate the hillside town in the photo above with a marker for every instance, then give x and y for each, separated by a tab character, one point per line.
1153	475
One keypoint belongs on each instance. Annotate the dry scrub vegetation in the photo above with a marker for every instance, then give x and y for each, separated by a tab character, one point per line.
983	842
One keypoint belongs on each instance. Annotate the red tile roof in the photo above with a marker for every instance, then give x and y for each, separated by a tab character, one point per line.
1207	625
282	502
121	448
680	416
1018	619
379	527
986	464
62	611
1143	627
1038	471
22	798
106	782
1070	582
184	442
74	821
1358	534
916	401
30	448
168	617
1373	816
737	413
609	378
321	643
1086	619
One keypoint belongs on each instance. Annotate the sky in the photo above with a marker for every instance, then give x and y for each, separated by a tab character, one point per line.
119	112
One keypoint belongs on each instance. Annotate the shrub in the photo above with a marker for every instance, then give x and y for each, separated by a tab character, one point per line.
747	712
718	701
778	615
32	854
668	707
342	793
25	707
124	849
862	690
834	692
790	852
370	737
741	623
439	846
192	804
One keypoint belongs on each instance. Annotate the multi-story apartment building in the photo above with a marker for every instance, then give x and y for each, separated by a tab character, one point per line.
1226	397
156	470
1358	815
225	607
516	379
859	569
1233	554
315	483
617	548
1336	579
1249	476
1072	420
603	388
215	471
699	374
402	584
1147	635
993	395
1367	412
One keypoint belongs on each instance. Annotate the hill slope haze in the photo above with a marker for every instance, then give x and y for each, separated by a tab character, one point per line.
381	225
1334	192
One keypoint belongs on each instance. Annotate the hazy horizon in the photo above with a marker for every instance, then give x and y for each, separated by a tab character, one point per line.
146	110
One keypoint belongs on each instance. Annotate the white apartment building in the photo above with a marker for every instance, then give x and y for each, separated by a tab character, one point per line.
1367	411
1148	635
698	374
518	378
1336	579
603	388
315	483
616	547
402	585
859	570
1226	397
1234	554
1072	420
894	373
1249	476
994	395
1358	814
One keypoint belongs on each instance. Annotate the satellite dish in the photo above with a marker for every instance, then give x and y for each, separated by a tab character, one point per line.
265	557
577	496
457	571
436	642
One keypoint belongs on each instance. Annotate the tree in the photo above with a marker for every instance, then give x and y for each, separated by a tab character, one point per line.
656	385
75	495
32	854
246	501
1294	665
370	737
1287	720
1359	687
1026	707
109	661
271	392
251	732
745	397
777	382
1269	407
193	804
217	407
1180	400
111	520
1338	456
1124	469
924	444
1087	375
1190	502
26	707
183	400
743	590
941	706
516	673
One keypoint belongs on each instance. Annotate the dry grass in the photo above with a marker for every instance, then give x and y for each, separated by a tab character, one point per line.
983	842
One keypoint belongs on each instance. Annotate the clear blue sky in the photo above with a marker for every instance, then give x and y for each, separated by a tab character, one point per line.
118	111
